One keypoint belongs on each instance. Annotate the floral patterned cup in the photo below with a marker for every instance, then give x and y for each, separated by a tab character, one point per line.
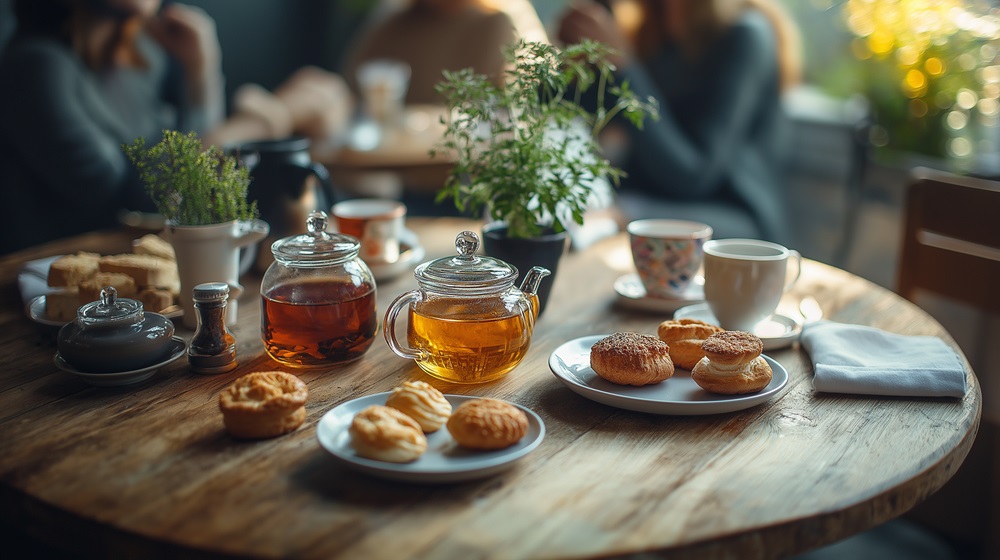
668	254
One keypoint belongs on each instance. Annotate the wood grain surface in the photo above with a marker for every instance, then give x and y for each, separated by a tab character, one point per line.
148	470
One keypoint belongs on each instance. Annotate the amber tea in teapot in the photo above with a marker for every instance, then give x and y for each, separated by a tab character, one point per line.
466	342
467	323
317	299
337	324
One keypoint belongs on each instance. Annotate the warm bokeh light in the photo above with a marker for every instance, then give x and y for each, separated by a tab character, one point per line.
942	57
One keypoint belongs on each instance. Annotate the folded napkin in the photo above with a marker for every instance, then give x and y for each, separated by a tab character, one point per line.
869	361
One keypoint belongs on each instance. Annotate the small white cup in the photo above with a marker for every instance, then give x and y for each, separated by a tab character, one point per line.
745	279
376	222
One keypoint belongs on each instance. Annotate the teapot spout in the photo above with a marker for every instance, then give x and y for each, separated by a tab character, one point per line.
529	286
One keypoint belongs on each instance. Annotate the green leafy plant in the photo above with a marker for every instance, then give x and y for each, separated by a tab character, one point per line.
521	150
192	185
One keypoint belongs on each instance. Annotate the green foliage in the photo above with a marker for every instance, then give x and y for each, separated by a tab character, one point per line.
190	185
518	155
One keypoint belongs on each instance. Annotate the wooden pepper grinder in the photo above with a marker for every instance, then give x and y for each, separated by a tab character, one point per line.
213	347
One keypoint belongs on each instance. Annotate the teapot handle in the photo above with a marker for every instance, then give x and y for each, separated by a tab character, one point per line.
323	175
389	326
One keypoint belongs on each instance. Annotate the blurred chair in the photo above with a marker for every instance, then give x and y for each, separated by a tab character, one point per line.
951	242
827	161
951	249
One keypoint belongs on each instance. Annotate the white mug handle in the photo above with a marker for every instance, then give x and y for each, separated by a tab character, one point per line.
247	237
792	254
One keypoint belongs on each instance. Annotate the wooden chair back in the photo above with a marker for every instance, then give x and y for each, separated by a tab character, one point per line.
951	239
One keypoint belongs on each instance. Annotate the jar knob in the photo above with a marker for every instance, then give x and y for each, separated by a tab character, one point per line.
316	223
108	296
467	243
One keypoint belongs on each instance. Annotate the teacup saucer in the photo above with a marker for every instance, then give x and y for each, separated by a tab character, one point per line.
411	253
118	378
632	294
776	332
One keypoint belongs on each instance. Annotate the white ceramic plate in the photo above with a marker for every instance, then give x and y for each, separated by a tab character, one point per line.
36	312
411	253
776	332
632	294
679	395
444	460
124	377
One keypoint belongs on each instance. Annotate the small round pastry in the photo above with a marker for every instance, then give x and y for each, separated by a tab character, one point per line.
386	434
684	336
263	404
422	402
629	358
732	364
487	424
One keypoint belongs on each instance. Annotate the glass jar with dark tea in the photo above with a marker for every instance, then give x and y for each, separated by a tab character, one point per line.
467	323
318	299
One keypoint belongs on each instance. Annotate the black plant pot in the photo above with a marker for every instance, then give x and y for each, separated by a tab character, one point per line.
545	250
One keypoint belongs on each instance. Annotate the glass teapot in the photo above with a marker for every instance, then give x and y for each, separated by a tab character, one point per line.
467	321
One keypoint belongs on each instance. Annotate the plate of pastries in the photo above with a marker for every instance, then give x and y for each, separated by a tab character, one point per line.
688	367
148	274
417	434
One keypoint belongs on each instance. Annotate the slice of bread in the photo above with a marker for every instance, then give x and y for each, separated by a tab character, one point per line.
152	244
61	305
70	270
155	299
147	270
90	289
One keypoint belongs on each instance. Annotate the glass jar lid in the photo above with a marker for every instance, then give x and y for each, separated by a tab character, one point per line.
110	311
317	247
467	272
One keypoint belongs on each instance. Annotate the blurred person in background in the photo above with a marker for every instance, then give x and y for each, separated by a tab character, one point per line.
718	69
432	36
83	77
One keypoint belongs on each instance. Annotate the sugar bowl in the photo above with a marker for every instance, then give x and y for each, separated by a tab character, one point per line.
115	335
467	323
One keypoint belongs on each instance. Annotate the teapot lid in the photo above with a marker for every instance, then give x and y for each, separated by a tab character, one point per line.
110	311
317	247
467	271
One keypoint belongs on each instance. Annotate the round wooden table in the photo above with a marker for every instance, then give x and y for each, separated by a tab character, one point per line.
149	471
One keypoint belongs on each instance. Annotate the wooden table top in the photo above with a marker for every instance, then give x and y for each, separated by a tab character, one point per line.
149	471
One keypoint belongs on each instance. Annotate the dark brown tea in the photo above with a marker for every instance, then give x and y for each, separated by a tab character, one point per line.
318	322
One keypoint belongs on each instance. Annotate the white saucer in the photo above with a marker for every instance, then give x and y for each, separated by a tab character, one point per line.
632	294
411	253
444	460
118	378
36	312
776	332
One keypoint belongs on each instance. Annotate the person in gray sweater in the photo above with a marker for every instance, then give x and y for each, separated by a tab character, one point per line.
83	77
717	68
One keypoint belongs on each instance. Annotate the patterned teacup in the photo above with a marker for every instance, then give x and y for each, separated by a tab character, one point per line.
668	254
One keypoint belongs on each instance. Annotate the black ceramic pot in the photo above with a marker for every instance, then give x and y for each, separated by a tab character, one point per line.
545	250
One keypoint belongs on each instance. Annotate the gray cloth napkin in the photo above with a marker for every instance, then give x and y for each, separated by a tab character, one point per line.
868	361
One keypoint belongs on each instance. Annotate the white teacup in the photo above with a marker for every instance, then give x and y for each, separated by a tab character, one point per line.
378	223
745	279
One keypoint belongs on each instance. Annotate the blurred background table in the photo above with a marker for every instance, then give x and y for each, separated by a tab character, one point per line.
148	470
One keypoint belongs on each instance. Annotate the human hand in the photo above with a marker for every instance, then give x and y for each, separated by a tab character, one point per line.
188	34
319	102
585	19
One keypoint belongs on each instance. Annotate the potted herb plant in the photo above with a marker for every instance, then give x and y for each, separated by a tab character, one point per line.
202	194
526	151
